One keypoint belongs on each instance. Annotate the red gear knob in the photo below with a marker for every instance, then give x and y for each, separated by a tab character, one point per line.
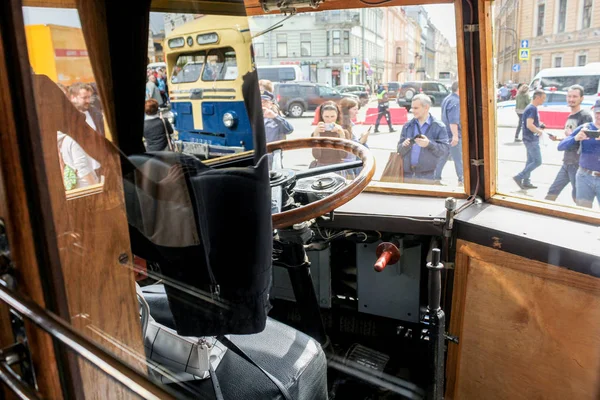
387	253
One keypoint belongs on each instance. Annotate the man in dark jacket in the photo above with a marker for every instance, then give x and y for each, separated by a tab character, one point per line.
423	142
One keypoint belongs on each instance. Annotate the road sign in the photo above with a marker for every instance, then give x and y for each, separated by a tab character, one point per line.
524	54
354	61
524	44
346	67
516	67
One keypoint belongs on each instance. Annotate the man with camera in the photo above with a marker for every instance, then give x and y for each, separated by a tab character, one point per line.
423	142
532	129
568	171
588	174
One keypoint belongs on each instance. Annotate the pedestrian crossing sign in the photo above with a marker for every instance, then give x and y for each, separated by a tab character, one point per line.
524	54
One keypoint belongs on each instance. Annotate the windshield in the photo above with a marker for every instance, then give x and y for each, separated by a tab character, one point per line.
188	67
589	83
216	65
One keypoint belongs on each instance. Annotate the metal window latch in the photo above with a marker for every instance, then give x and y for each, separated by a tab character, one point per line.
471	28
477	163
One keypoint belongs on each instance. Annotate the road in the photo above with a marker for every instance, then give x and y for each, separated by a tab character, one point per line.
511	157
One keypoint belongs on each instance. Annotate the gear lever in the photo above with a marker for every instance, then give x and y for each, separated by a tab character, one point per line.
387	254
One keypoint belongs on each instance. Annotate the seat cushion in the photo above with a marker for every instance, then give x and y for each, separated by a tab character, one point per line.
294	358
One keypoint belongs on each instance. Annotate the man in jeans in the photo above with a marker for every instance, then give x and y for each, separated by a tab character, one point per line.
531	138
588	174
451	118
570	165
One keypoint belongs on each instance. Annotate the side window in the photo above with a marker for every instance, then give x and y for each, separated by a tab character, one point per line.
325	91
307	91
429	87
287	74
269	74
443	88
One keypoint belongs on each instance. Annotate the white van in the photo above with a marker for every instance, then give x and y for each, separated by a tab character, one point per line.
562	78
280	73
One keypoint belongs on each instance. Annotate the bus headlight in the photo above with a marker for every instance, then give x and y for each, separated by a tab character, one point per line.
229	119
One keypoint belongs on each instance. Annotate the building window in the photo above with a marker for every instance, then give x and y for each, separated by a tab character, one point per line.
537	66
558	61
398	55
581	60
305	44
346	42
336	43
259	49
281	45
541	10
562	16
328	43
586	15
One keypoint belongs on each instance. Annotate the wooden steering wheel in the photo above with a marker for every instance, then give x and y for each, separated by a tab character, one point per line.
335	200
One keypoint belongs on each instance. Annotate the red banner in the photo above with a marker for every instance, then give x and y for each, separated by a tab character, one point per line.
70	53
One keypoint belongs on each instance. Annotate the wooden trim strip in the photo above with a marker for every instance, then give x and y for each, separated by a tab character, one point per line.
488	93
461	271
463	90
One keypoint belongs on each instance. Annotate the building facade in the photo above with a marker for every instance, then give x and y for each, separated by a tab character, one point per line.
337	47
396	55
560	33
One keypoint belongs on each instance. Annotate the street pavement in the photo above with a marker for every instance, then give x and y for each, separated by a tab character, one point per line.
511	157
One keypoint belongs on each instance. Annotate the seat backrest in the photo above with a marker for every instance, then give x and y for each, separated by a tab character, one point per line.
210	231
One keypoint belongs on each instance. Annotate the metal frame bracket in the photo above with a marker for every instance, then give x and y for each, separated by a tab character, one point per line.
471	28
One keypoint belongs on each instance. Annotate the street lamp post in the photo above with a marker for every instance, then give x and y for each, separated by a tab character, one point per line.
515	41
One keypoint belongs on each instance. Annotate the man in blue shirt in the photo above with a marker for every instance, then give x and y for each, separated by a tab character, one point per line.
588	174
451	118
423	142
276	127
531	139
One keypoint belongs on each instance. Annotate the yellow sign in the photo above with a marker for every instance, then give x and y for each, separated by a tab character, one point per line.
524	54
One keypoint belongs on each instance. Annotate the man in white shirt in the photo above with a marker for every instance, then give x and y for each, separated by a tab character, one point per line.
80	95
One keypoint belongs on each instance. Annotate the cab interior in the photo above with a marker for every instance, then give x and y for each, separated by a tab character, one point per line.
360	292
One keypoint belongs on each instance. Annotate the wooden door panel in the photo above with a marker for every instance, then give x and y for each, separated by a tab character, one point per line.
527	330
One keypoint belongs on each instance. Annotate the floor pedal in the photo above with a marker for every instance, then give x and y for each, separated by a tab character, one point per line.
366	357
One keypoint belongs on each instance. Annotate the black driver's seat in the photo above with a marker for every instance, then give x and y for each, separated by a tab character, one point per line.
294	358
201	224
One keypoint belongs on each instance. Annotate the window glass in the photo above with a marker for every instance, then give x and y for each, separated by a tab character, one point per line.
586	15
541	15
282	45
557	62
326	91
357	50
562	15
188	67
305	45
554	55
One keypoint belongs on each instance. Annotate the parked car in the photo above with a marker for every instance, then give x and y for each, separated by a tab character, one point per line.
435	90
393	88
357	90
294	98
